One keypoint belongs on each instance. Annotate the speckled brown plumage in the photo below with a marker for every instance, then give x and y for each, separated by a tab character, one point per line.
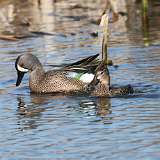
54	82
58	81
104	91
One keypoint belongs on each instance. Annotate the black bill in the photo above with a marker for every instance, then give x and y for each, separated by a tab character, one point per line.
19	78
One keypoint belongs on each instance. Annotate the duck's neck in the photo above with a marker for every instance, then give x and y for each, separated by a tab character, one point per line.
36	77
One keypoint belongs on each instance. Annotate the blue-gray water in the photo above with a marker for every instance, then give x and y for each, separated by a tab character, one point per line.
51	127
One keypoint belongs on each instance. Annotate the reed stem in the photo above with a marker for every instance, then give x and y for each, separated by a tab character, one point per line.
145	22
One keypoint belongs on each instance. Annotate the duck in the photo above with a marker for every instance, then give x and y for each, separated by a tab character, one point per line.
81	77
100	85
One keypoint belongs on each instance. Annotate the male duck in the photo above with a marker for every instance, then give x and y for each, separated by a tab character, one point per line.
68	80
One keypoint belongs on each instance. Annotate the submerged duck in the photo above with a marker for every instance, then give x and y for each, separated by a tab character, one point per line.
78	77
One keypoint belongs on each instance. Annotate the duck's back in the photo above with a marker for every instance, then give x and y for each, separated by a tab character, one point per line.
104	91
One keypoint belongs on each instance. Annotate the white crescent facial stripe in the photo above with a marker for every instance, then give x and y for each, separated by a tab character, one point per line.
21	69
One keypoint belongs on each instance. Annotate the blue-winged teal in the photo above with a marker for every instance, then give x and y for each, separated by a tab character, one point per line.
100	85
68	80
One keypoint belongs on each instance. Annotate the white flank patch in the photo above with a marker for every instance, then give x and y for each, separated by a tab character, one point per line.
21	69
87	78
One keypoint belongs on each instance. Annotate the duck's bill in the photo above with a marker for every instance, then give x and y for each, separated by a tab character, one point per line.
19	77
95	81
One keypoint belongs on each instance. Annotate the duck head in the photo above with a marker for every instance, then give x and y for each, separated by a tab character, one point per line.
102	74
101	78
25	63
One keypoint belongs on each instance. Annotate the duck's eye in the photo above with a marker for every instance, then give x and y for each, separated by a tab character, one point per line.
100	72
21	69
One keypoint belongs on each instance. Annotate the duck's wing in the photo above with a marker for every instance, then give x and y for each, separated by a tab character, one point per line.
87	64
83	70
83	62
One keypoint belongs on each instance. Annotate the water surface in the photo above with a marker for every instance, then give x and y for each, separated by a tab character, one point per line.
65	127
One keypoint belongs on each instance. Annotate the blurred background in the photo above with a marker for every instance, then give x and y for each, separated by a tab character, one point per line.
60	32
19	17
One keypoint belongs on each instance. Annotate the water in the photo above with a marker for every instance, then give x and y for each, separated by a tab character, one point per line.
65	127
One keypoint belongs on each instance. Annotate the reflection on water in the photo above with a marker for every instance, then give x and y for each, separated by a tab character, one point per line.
30	112
66	127
100	107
